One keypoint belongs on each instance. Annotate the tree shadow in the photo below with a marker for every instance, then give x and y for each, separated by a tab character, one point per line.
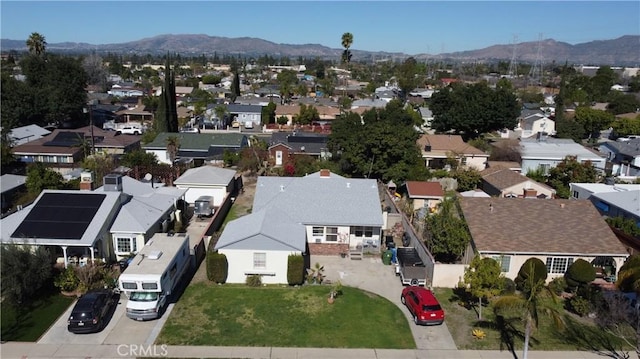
508	331
592	338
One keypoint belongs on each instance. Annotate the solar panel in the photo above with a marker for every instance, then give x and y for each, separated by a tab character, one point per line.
60	216
66	139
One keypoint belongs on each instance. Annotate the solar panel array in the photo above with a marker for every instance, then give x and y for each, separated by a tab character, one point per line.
60	216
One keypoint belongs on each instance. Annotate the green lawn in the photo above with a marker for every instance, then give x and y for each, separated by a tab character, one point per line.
230	315
35	320
576	333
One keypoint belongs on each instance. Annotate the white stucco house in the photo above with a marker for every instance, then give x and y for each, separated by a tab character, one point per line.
547	153
321	213
207	181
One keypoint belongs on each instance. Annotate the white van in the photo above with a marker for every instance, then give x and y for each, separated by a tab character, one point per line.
248	124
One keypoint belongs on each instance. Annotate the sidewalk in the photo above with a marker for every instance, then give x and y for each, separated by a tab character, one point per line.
16	350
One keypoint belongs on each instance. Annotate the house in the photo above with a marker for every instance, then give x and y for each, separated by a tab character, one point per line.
199	147
64	148
437	150
146	211
624	204
10	185
503	182
533	124
337	215
427	117
207	180
585	190
74	223
245	113
284	145
623	156
24	134
475	193
558	232
547	153
512	165
426	196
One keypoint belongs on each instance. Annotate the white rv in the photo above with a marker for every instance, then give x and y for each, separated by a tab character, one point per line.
154	273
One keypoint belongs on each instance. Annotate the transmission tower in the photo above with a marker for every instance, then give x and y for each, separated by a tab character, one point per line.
535	74
513	66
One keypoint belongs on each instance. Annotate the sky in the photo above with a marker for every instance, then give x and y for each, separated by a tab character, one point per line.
410	27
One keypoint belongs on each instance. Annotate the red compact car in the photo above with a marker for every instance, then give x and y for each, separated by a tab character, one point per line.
423	305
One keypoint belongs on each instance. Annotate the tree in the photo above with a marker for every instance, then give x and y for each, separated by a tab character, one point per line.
173	144
483	278
347	41
40	177
626	126
286	80
620	103
407	76
25	271
93	65
626	225
629	275
530	303
593	120
472	110
601	83
101	164
448	234
570	171
36	44
166	116
269	113
235	85
579	274
468	179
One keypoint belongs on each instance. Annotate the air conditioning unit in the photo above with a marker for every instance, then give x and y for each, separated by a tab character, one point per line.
318	240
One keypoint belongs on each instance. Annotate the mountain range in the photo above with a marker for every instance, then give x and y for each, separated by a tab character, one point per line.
623	51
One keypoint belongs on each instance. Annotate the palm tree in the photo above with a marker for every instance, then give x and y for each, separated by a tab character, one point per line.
36	43
529	304
347	41
173	144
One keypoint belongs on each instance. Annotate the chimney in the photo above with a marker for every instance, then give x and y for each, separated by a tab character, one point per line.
325	173
86	181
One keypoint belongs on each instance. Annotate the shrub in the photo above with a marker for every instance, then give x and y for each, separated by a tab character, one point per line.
295	269
217	267
579	274
534	269
253	280
557	285
579	305
508	286
67	280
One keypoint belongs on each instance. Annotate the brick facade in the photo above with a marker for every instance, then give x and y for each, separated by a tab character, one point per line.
328	248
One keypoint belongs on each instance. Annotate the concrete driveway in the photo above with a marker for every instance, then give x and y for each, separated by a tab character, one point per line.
371	275
119	330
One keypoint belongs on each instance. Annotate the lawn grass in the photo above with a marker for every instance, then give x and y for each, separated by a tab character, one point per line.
280	316
575	334
35	320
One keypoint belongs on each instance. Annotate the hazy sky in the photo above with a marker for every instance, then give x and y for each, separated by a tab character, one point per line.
411	27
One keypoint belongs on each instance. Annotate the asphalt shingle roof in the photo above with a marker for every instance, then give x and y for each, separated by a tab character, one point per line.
518	225
198	141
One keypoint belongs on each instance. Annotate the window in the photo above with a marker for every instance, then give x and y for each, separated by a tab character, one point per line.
125	245
545	168
463	161
332	234
150	286
558	265
318	231
576	194
259	260
129	285
504	261
363	232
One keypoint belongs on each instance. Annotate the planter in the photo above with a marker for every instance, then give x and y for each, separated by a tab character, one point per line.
330	300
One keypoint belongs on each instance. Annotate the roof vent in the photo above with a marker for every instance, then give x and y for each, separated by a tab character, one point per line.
281	188
348	185
155	255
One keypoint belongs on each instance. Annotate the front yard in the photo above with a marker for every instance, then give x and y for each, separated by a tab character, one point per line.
31	323
282	316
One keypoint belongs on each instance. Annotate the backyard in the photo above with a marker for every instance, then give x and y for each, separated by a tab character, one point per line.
237	315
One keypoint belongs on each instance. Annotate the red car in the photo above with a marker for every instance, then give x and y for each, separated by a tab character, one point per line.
423	305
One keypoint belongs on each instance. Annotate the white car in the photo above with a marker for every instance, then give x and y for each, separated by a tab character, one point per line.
130	130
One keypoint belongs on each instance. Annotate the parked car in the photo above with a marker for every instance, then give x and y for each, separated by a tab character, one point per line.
423	305
130	130
91	312
190	130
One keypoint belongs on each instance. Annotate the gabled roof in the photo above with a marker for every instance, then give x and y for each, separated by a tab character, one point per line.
326	199
206	176
558	227
198	141
629	148
448	143
312	143
236	108
269	229
421	189
512	165
10	181
502	178
66	141
628	201
24	134
74	218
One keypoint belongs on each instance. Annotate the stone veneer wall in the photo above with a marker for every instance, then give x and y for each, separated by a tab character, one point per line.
328	248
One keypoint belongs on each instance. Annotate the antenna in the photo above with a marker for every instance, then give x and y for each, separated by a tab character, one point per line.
148	177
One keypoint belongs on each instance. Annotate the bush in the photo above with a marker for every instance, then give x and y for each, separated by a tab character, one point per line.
217	267
508	286
295	269
579	274
557	285
534	269
579	305
254	280
67	280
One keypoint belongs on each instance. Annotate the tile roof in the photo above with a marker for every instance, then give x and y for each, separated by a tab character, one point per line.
448	143
519	225
421	189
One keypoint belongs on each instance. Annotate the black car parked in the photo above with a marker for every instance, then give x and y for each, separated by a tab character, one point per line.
91	312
